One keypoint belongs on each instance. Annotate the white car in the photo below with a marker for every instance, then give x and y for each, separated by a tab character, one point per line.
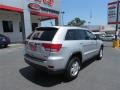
109	37
55	49
99	35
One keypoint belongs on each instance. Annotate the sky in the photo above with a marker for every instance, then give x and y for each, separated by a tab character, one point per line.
84	9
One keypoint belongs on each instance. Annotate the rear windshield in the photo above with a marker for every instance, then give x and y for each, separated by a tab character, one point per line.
30	35
44	34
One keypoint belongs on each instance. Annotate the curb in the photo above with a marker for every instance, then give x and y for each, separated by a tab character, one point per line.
15	45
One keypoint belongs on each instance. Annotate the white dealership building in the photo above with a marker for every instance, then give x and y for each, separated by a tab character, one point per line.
18	18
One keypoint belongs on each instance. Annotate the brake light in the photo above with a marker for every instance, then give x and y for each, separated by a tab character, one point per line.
52	47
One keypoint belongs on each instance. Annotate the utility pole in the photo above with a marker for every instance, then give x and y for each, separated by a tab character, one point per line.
116	42
62	14
117	20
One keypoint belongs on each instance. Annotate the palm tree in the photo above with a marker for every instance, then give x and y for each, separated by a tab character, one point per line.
76	22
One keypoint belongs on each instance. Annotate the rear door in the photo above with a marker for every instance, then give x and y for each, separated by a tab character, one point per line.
37	41
76	40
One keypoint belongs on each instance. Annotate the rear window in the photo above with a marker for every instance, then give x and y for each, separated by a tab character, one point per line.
44	34
30	35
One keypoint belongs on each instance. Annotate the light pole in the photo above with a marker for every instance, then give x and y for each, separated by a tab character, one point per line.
117	20
116	43
91	16
62	16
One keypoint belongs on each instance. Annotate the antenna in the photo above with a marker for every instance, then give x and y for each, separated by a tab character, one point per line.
91	16
62	17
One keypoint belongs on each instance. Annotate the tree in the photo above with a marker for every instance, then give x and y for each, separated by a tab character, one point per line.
76	22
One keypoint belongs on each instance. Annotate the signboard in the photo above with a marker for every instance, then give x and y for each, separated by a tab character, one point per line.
112	13
49	4
34	6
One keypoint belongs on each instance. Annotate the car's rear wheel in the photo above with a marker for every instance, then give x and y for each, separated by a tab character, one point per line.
73	68
100	55
6	45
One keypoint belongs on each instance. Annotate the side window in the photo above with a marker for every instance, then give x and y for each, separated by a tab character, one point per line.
80	35
90	36
70	35
75	34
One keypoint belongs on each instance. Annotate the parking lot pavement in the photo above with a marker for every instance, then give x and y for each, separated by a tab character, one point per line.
11	48
108	43
15	74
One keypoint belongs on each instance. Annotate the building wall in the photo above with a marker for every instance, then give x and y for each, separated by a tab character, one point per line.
16	35
14	3
24	3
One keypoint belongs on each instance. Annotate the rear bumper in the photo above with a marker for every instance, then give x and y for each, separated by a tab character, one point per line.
41	65
42	68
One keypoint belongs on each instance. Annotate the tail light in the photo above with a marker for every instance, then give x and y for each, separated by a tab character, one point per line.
52	47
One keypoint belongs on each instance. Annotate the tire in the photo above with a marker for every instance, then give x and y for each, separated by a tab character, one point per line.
100	55
73	69
6	45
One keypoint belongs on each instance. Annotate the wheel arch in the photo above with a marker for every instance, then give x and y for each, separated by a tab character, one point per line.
75	54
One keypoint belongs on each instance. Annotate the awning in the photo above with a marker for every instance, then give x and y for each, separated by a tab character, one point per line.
10	8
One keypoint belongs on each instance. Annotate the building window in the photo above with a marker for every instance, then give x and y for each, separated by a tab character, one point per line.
34	25
20	26
7	26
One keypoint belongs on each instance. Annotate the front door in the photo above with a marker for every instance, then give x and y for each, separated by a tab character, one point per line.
92	44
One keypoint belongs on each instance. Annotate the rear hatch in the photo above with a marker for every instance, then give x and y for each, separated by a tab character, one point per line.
39	42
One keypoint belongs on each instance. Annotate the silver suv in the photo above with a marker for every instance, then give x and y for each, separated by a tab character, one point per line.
58	48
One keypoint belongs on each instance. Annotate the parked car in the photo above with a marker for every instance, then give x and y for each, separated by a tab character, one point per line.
109	37
61	49
4	41
99	35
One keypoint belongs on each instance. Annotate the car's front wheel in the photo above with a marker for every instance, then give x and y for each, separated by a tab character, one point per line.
100	55
73	68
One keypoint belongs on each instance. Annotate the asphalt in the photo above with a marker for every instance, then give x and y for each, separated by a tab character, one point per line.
15	74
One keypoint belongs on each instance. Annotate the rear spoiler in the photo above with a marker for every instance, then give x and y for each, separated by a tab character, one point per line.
45	28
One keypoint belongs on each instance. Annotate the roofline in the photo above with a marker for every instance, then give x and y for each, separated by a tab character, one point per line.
70	27
20	10
10	8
